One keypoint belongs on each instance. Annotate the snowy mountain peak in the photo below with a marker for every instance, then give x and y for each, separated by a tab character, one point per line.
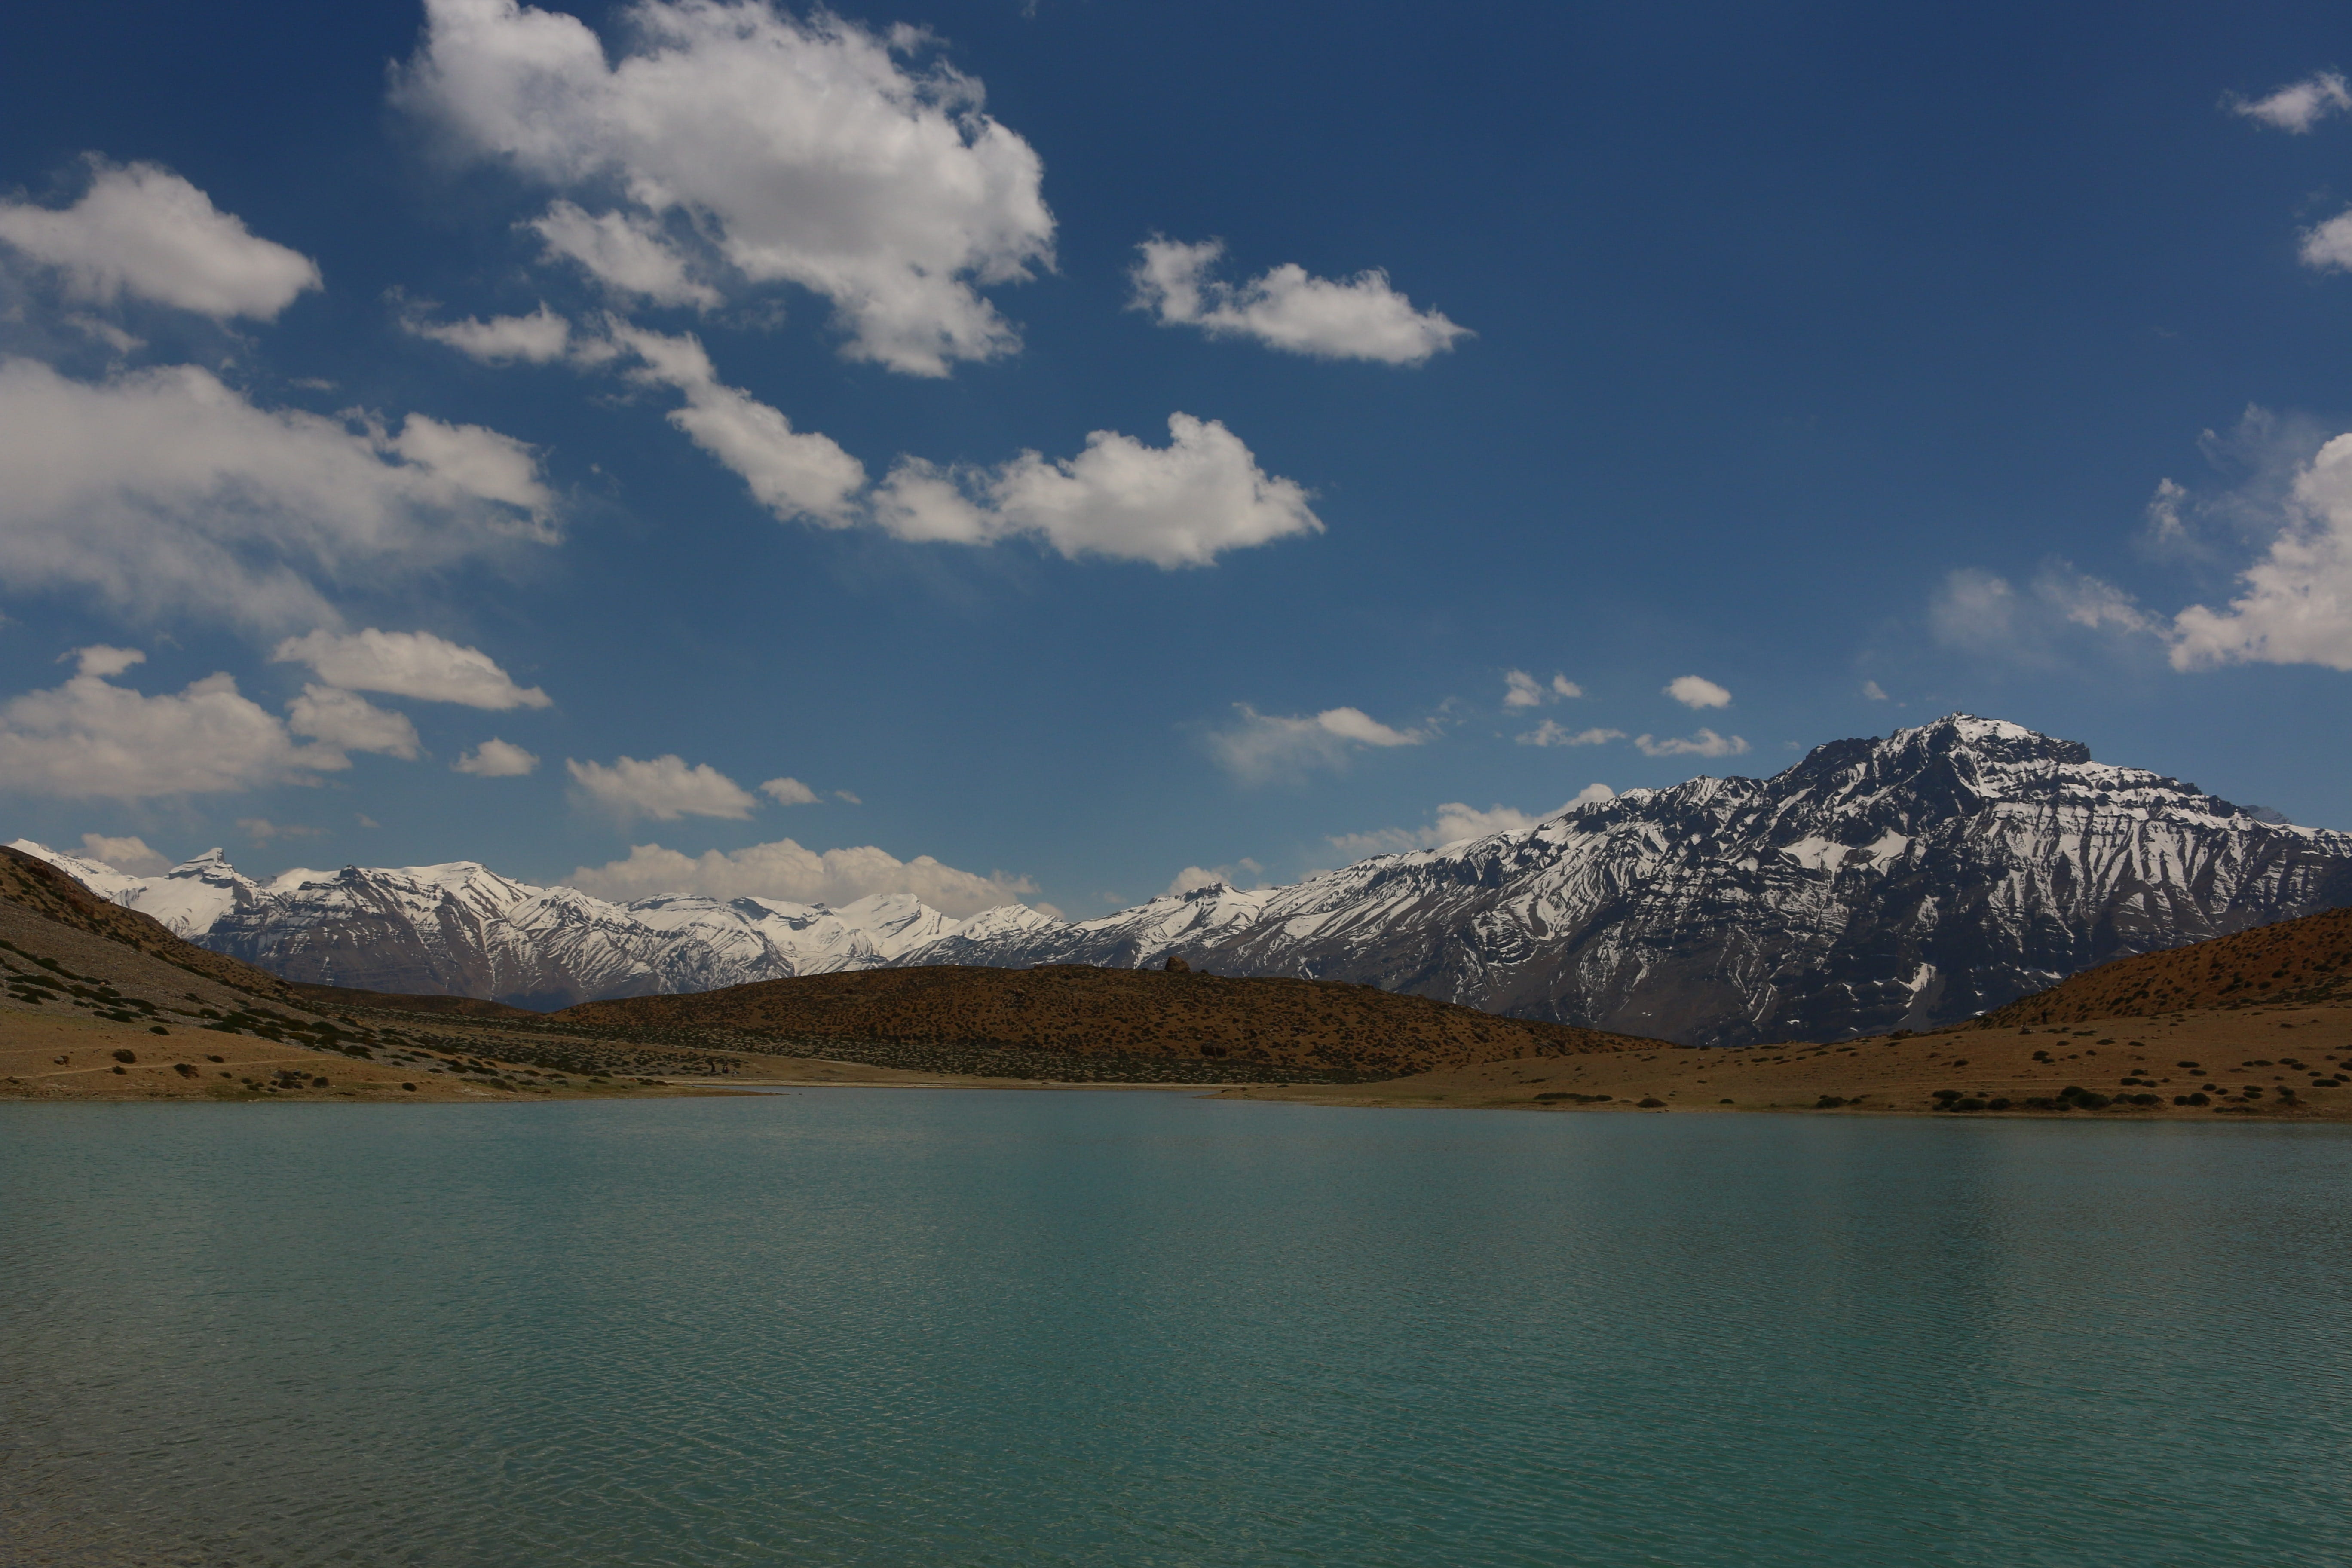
1910	880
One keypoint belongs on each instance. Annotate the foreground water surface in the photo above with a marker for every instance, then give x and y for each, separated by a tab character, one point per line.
952	1327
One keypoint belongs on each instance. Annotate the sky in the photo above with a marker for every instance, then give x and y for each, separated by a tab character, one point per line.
1071	450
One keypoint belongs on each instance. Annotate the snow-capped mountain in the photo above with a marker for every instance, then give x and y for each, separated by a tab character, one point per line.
1905	882
462	929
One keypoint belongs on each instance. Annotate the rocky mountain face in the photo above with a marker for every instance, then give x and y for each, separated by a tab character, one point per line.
1906	882
463	930
1878	884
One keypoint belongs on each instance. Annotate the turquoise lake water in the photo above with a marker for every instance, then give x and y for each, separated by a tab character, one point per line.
947	1327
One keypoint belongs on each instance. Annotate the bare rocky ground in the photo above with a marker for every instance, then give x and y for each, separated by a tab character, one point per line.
2278	1063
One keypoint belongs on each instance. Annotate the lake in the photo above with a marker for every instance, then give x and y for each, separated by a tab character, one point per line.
916	1327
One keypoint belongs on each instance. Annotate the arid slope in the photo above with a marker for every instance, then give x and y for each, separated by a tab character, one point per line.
2300	961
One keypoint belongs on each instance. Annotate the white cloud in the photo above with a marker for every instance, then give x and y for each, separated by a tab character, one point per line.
846	798
1875	692
539	338
128	856
789	792
1266	746
99	660
1191	879
623	251
350	722
88	738
1706	743
144	231
1985	614
1454	822
1179	505
793	473
410	664
786	870
1594	794
1362	318
2298	106
497	759
166	490
1697	691
812	152
261	830
1523	691
2327	247
664	789
2296	603
1549	733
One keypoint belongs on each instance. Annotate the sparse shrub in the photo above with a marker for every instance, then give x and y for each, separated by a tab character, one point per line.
210	1058
1997	1104
409	1087
183	1069
1723	1102
126	1056
157	1029
1826	1102
1971	1103
125	1071
1652	1102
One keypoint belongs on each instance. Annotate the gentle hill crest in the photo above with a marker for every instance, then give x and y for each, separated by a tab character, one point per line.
1070	1010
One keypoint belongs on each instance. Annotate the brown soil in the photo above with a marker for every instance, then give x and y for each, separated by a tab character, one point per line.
1079	1013
2276	1051
338	997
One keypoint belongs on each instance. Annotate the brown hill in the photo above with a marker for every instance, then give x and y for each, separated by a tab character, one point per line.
37	886
1074	1010
333	998
2297	963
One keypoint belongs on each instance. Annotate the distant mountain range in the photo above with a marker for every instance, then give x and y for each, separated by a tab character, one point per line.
463	930
1903	882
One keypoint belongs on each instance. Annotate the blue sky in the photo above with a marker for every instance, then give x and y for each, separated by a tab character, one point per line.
779	393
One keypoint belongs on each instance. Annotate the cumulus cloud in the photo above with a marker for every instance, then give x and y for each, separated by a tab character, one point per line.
539	338
128	856
664	789
92	739
1521	690
789	792
409	664
793	473
165	490
1549	733
628	254
1179	505
1192	878
786	870
497	759
2327	247
805	151
1361	318
1266	746
350	722
143	231
1697	691
1706	743
2296	602
2298	106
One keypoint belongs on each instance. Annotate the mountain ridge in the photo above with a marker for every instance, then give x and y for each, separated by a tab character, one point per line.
1909	881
